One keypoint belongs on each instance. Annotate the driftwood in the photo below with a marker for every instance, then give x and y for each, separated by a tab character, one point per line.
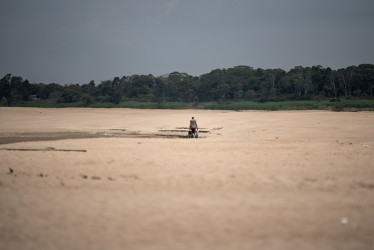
44	149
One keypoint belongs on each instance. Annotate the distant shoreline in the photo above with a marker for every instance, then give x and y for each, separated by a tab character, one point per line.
341	105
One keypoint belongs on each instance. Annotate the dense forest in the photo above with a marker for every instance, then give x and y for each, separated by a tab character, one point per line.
233	84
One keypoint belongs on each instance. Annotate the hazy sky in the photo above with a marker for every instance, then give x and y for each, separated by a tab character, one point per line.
75	41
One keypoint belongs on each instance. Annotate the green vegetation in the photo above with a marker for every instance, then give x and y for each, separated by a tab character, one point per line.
343	105
237	88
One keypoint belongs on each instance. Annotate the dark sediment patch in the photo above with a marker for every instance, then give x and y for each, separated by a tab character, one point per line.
39	136
44	149
111	133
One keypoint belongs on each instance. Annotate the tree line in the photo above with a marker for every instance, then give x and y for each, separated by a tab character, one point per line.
237	83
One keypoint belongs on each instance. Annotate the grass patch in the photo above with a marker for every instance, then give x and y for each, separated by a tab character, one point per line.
48	104
271	106
127	104
352	105
343	105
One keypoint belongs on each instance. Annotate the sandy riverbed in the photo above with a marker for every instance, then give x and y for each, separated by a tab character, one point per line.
129	179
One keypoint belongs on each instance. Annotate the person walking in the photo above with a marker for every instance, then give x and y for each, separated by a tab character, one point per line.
193	126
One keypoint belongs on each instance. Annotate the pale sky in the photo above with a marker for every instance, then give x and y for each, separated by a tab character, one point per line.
75	41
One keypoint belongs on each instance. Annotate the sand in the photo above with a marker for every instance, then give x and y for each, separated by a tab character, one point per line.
130	179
